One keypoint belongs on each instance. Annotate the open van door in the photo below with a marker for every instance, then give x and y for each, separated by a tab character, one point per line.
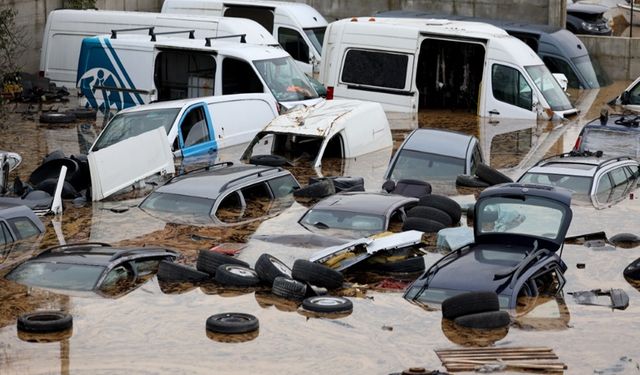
508	94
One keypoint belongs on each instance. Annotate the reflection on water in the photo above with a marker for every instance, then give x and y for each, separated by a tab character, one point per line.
158	327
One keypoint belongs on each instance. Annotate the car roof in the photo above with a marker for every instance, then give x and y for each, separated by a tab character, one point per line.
616	122
210	182
93	254
363	202
439	142
583	166
514	189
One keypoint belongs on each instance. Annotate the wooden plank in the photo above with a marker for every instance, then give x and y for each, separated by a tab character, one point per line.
484	350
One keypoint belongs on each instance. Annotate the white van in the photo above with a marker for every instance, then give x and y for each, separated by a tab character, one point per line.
66	28
298	27
413	64
122	71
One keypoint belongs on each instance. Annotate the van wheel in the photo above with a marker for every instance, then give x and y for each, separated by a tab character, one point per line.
491	175
470	181
45	322
209	261
235	275
316	274
484	320
422	224
175	272
269	160
269	268
443	203
469	303
327	304
232	323
288	288
432	213
57	118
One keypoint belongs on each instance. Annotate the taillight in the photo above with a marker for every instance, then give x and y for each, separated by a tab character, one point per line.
329	92
576	147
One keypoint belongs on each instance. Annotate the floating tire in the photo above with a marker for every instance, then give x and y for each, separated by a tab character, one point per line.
53	155
316	274
320	189
422	224
49	185
288	288
209	261
232	323
471	181
431	213
469	303
443	203
327	304
45	322
269	160
51	169
342	183
84	113
484	320
632	271
57	117
178	273
491	175
625	240
236	275
269	268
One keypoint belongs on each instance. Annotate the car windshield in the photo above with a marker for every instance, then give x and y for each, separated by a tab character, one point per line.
178	204
129	124
425	166
577	184
325	219
549	87
583	63
437	296
521	215
285	80
57	275
316	36
613	142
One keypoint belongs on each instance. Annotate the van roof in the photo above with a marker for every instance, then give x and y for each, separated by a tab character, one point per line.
432	26
249	52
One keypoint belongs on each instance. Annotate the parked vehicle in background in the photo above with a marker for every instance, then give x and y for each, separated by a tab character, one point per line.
223	194
626	7
298	27
615	135
629	99
602	180
587	18
130	70
329	129
400	63
560	50
18	223
518	230
66	28
431	154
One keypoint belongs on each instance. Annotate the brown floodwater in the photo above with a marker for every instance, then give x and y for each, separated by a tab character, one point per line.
157	328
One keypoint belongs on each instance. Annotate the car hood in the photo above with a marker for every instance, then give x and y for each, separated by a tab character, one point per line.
585	8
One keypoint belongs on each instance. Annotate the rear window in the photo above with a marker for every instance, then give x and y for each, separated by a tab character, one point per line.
425	166
178	204
577	184
372	68
612	142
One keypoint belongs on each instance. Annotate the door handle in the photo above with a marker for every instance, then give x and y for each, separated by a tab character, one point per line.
494	112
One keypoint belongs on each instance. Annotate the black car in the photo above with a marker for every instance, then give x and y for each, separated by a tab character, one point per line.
91	267
585	18
518	231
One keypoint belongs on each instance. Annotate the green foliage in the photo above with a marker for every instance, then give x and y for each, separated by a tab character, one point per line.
11	47
80	4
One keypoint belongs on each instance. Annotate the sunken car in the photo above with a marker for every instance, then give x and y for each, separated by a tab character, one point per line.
616	134
518	231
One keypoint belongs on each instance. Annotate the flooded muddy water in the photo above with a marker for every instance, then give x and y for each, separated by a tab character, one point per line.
160	329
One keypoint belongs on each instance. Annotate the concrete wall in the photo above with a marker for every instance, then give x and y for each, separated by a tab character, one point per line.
620	57
32	17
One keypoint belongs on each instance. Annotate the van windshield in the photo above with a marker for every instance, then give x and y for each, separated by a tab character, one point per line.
316	36
549	87
285	80
583	63
126	125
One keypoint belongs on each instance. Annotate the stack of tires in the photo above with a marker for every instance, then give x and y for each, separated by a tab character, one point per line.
433	213
477	310
321	187
485	176
68	116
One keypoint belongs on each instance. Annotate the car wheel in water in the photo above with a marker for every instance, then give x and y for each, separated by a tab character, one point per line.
45	322
316	274
230	323
491	175
320	189
57	118
469	303
269	160
288	288
625	240
422	224
235	275
431	213
209	261
443	203
327	304
178	273
484	320
470	181
269	267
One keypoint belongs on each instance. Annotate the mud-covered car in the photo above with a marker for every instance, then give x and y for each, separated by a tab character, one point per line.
518	230
91	267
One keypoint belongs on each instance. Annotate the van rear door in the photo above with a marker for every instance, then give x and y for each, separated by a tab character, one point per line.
507	93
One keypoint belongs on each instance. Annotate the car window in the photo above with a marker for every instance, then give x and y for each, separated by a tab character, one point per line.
634	95
194	129
618	177
283	186
371	68
510	86
558	65
258	199
285	79
577	184
120	277
57	275
24	227
183	74
613	142
344	220
604	188
5	235
178	204
424	166
238	77
292	42
231	208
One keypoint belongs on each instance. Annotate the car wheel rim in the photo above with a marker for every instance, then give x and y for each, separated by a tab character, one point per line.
327	301
240	271
280	267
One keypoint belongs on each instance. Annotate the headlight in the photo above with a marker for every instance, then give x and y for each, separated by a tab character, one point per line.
589	26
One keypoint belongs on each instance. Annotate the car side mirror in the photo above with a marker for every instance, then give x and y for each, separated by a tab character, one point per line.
624	97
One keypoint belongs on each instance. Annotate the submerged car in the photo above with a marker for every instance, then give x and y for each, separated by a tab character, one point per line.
603	180
587	18
629	99
91	267
518	231
615	135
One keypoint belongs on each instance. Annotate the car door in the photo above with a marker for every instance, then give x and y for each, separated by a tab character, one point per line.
195	132
630	98
508	93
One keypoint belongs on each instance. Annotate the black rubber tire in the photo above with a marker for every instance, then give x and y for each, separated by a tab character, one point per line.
84	113
484	320
49	185
491	175
342	183
470	181
327	304
471	212
235	275
269	268
45	322
316	274
632	271
57	117
409	265
423	185
269	160
469	303
625	240
232	323
53	155
288	288
320	189
443	203
431	213
177	273
209	261
422	224
388	186
51	169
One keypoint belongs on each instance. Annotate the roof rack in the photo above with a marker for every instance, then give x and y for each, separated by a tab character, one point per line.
208	39
76	245
597	154
258	174
114	32
205	168
633	122
191	34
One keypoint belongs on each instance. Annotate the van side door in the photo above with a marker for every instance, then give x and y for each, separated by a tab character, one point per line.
196	134
507	93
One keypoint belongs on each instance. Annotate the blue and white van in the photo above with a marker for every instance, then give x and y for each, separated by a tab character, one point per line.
123	70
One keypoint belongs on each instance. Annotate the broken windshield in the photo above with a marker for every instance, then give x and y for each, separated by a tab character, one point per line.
285	80
549	87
